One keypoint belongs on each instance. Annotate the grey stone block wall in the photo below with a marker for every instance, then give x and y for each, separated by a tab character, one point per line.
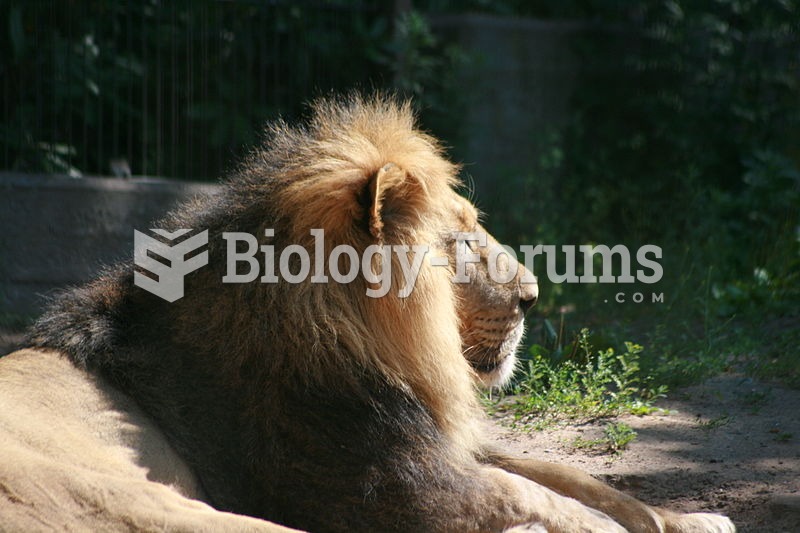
59	231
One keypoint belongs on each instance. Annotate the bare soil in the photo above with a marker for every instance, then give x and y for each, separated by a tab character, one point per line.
731	445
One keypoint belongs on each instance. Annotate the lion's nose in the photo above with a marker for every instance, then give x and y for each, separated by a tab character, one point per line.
528	288
528	294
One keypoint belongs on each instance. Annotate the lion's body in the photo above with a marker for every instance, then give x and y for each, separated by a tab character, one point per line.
307	404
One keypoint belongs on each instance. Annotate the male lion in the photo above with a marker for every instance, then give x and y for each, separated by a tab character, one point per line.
246	405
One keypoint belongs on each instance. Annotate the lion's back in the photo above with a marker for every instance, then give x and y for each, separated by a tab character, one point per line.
71	443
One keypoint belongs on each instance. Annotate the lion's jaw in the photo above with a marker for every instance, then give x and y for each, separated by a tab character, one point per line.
499	372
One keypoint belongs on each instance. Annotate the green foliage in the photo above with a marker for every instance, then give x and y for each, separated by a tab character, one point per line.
714	423
424	67
783	437
616	438
581	383
684	135
715	140
692	143
619	435
182	88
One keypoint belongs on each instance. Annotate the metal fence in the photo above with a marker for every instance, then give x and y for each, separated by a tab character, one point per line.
174	88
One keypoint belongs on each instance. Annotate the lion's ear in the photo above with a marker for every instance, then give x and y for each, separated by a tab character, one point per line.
384	180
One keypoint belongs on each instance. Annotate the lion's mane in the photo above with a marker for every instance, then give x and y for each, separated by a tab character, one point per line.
279	395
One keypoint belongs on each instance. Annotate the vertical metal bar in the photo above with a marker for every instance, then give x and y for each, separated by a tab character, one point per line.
145	80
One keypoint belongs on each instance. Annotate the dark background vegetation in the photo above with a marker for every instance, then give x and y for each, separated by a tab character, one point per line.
687	138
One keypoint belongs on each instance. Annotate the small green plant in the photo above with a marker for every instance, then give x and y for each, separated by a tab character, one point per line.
587	444
581	383
783	437
716	422
617	437
756	399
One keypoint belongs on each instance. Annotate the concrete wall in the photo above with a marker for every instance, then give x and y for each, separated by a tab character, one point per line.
58	231
517	86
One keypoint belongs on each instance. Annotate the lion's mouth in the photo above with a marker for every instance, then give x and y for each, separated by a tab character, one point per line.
494	363
487	368
496	371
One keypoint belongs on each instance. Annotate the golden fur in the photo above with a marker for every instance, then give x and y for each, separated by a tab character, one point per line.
306	404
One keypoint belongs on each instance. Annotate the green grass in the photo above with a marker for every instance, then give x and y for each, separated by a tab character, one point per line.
577	382
714	423
783	437
616	438
705	327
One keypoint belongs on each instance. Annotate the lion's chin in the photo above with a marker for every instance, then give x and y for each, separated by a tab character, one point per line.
499	372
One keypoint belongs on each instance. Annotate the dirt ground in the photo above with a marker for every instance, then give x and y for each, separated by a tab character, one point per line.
730	446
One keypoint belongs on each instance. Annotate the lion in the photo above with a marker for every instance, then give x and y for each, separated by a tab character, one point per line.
296	405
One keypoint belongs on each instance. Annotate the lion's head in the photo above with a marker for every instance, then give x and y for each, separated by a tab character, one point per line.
367	175
364	173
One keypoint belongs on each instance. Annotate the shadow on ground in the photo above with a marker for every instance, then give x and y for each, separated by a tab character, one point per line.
731	445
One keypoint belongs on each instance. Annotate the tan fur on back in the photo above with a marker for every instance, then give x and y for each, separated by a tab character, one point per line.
77	455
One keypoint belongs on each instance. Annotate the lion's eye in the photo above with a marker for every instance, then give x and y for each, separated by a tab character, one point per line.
471	239
473	243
